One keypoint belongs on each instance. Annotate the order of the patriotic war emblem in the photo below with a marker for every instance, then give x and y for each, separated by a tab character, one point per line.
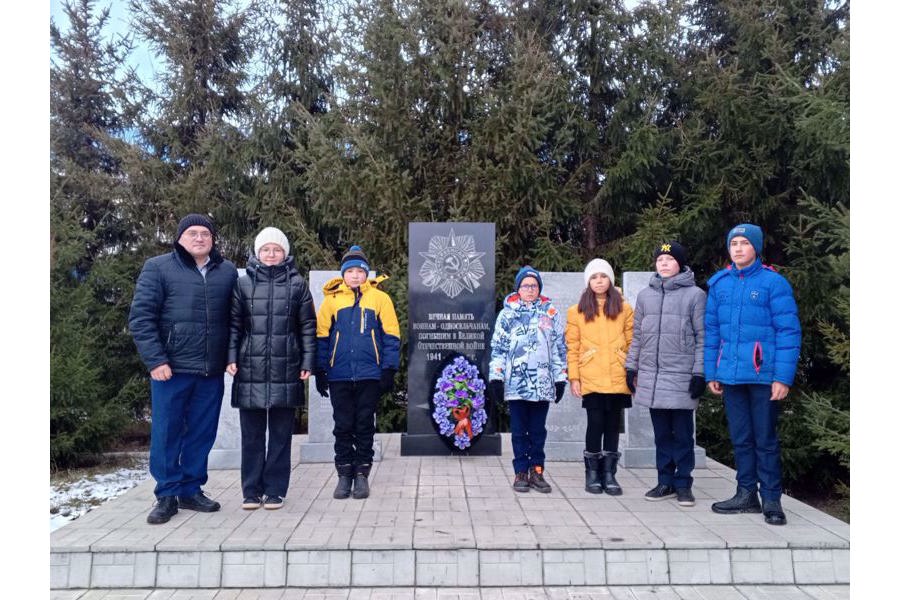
451	264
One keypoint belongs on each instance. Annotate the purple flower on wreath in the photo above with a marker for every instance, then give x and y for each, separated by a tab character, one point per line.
459	386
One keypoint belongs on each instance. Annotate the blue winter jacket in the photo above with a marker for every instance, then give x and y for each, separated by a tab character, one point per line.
528	349
752	327
357	332
180	317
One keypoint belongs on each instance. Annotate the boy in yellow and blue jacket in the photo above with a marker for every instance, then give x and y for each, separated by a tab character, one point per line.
358	354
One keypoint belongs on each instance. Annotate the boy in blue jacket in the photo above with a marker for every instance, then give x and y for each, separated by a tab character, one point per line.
750	354
358	354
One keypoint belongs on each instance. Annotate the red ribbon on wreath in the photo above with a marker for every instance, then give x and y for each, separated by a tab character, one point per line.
461	414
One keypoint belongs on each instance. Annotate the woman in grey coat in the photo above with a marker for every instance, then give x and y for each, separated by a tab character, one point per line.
664	368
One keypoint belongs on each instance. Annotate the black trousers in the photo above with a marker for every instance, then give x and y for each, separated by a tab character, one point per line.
602	429
354	404
265	471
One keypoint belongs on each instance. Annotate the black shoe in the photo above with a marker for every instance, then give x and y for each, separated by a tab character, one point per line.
361	482
251	503
345	482
521	482
199	502
273	502
610	485
660	492
592	483
165	508
360	486
772	512
743	501
684	497
536	480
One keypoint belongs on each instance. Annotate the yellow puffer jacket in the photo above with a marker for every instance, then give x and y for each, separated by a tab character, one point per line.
597	350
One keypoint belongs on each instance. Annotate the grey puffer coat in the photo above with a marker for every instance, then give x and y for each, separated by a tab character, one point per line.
273	336
667	346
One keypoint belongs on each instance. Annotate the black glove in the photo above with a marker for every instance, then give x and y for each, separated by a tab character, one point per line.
387	380
698	384
560	390
630	376
321	383
495	390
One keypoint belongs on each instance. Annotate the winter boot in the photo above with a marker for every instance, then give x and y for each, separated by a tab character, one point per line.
361	481
743	501
536	479
610	485
345	481
773	513
592	481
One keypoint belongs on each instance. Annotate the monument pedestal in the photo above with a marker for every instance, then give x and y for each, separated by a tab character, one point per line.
226	452
432	445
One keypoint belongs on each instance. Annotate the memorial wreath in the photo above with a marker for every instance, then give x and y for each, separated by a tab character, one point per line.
459	402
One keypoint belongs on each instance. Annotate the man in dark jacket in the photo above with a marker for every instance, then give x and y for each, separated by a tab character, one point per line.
179	320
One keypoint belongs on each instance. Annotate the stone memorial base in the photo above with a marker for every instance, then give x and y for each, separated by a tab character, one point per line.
432	445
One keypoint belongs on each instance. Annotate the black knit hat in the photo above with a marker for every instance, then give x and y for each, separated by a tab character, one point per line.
194	219
673	249
354	258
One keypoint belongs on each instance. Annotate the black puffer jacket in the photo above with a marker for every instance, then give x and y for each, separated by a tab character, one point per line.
181	318
273	336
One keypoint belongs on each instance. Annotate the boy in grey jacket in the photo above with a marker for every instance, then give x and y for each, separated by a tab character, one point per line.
664	368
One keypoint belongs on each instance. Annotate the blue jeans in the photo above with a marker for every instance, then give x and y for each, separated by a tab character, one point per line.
673	434
752	424
266	467
527	422
185	417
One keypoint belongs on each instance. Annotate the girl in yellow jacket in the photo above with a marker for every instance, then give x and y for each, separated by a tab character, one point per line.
598	334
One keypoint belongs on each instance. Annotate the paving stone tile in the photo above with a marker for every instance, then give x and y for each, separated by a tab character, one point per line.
574	567
708	592
761	565
510	567
123	569
824	566
383	568
66	594
70	570
772	592
699	566
644	593
447	568
116	594
827	592
319	568
636	567
252	569
188	569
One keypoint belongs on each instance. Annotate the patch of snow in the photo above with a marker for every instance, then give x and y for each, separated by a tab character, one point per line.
70	500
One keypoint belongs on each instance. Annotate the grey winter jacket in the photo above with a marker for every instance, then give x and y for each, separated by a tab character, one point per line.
667	347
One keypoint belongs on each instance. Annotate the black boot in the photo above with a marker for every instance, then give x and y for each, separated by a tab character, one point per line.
361	481
165	508
743	501
773	513
610	485
345	481
592	481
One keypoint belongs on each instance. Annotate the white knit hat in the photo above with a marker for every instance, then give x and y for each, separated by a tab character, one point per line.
598	265
271	235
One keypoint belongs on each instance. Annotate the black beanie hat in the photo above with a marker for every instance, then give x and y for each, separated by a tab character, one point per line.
194	219
673	249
